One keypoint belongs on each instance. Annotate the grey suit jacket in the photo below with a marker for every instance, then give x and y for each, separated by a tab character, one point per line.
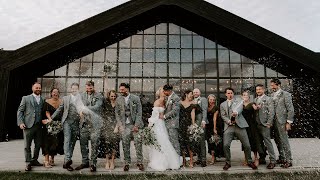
226	115
63	108
283	107
95	104
172	112
26	111
135	110
203	103
265	115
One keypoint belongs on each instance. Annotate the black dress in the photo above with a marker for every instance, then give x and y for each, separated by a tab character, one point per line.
51	144
252	130
184	122
217	148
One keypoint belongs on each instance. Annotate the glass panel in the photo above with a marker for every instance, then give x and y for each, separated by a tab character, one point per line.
211	87
210	55
186	41
185	31
50	74
199	70
186	70
136	41
246	60
151	30
247	70
113	45
186	55
98	56
111	55
174	29
109	84
198	55
161	55
124	55
60	83
235	70
136	69
174	55
161	28
271	73
148	70
148	55
186	84
247	84
258	70
161	41
98	69
70	81
87	58
223	55
236	85
224	70
211	69
174	41
176	85
198	42
136	86
124	69
98	84
148	85
62	71
125	43
47	84
86	69
224	83
221	47
74	69
149	41
174	70
161	70
136	55
281	75
160	83
209	43
235	57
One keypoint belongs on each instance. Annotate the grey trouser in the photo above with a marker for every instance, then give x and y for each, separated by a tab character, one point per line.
70	131
29	134
265	133
126	139
282	140
174	139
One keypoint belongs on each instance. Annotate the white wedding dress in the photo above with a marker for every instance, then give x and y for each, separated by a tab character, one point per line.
167	158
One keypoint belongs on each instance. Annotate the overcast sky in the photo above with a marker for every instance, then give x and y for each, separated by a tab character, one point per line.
25	21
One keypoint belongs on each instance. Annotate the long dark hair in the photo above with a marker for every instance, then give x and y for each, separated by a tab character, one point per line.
185	93
52	91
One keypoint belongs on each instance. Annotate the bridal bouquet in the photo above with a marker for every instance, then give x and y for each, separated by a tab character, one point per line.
215	139
195	132
149	138
54	127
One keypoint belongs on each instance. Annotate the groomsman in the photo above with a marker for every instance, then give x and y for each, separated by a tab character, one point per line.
201	120
29	117
171	116
264	111
235	125
129	119
284	113
70	121
90	126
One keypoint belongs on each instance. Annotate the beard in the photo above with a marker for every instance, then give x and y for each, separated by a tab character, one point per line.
37	92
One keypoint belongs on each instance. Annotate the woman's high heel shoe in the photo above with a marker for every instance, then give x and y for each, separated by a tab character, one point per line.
46	164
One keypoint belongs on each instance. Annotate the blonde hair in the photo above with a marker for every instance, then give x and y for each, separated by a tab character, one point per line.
213	96
158	92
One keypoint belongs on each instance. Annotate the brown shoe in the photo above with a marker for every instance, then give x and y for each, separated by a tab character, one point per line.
82	166
226	166
253	166
93	168
280	161
140	166
271	165
67	165
286	165
28	167
203	164
126	168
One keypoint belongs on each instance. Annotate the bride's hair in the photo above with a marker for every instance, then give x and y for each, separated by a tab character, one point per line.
158	93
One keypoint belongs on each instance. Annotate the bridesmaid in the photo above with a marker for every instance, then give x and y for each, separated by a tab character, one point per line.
51	144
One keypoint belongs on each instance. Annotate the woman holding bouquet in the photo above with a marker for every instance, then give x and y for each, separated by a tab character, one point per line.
188	111
52	143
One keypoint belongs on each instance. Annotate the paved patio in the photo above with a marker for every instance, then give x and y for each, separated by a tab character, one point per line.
306	157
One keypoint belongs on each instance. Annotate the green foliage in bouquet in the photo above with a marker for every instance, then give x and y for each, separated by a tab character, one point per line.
54	127
195	132
149	138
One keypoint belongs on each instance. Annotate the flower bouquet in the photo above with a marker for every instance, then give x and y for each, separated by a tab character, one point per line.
54	127
149	138
215	139
195	132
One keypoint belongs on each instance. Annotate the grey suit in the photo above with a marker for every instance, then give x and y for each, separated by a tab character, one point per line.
70	120
203	103
283	111
265	116
30	114
238	130
171	114
90	126
128	116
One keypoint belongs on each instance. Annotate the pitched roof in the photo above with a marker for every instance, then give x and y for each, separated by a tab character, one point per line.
200	16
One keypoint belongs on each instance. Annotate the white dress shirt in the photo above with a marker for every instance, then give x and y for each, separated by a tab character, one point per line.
37	97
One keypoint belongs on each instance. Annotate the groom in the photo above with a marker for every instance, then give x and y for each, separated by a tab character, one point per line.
171	116
129	119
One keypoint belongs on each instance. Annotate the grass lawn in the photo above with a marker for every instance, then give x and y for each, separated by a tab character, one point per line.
259	176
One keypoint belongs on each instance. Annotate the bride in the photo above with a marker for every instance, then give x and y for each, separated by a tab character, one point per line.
167	158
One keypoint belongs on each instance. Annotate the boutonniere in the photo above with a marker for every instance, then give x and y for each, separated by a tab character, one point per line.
170	102
134	104
94	99
198	101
